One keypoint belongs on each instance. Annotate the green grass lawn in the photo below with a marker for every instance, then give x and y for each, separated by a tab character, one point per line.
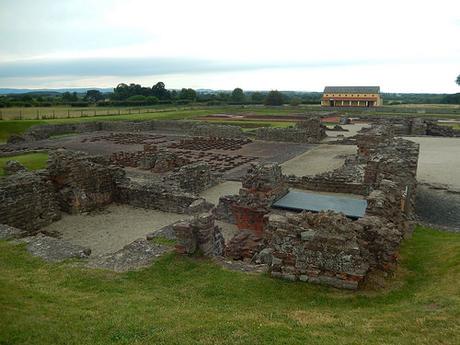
8	127
31	161
15	127
181	300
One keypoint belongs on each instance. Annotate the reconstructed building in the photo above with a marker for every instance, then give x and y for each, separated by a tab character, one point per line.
351	96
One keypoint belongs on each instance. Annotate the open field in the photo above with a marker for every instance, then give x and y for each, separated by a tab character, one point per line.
14	126
31	161
191	301
61	112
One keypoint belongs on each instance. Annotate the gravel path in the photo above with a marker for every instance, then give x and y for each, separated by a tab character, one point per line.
318	160
225	188
113	228
438	208
439	160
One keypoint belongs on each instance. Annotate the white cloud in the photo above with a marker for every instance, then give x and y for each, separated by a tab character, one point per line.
400	45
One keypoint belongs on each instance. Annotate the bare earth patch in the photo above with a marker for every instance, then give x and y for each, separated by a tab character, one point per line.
111	229
318	160
439	160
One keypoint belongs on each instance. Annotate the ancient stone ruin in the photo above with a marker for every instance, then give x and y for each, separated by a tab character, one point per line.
328	247
168	173
308	131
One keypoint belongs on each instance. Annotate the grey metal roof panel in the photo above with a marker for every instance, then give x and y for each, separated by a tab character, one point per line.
300	201
352	89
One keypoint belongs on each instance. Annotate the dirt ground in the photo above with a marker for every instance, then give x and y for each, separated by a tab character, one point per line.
352	130
111	229
225	188
438	164
438	208
318	160
439	160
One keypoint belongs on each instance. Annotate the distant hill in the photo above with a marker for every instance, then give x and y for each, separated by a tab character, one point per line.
6	91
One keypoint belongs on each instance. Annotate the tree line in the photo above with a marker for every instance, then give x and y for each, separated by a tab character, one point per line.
138	95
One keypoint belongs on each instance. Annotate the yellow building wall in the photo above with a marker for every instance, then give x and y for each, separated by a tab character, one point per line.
378	99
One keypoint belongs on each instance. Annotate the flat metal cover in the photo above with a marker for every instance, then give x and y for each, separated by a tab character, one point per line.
299	201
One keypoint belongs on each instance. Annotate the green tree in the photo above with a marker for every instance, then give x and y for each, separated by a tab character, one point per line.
93	96
257	97
152	100
68	97
121	92
295	101
187	94
159	91
458	80
238	95
274	97
137	98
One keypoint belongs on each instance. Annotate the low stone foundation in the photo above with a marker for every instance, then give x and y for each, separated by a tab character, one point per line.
193	128
28	201
330	249
309	131
83	182
200	234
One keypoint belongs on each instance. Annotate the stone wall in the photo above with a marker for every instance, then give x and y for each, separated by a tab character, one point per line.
328	248
441	131
308	131
150	158
199	234
83	183
347	179
261	186
28	201
193	178
39	132
160	197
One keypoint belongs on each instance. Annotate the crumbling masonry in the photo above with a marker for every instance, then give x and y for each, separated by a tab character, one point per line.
327	247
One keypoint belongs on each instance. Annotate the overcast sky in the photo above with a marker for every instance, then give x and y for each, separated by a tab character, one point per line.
403	46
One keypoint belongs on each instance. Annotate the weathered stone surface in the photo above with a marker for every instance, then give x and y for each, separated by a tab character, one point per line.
323	247
185	127
244	245
28	201
83	182
194	178
13	167
54	249
138	254
261	186
160	197
166	232
16	139
308	131
8	232
201	234
265	256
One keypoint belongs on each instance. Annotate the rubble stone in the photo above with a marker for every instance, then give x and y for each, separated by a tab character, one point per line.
136	255
8	232
54	249
201	234
13	167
